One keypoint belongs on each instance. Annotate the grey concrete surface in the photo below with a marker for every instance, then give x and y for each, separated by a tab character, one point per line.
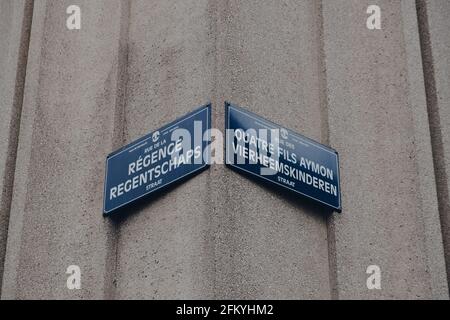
435	27
164	247
66	130
378	122
221	235
379	97
15	24
269	244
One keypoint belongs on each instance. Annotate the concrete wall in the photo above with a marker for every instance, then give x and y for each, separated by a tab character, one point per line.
378	97
378	122
15	23
434	23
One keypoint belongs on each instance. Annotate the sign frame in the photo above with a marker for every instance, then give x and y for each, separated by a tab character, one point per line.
230	106
205	108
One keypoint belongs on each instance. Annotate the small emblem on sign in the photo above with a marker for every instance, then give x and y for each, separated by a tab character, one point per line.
155	136
284	133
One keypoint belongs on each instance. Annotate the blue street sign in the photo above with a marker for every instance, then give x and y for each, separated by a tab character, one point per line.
282	157
157	160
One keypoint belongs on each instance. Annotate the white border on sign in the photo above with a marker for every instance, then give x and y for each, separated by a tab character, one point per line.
143	195
298	137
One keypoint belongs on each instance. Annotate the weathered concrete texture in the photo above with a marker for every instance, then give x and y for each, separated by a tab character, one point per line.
220	235
435	31
15	24
66	130
378	122
310	65
164	247
268	243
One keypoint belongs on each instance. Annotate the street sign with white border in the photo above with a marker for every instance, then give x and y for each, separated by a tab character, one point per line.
157	160
282	157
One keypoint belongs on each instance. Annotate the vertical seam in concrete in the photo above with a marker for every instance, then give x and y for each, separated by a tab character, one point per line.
121	122
213	8
118	140
17	111
122	80
10	286
427	210
325	136
434	120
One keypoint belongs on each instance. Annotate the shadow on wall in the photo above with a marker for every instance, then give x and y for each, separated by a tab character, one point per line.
304	204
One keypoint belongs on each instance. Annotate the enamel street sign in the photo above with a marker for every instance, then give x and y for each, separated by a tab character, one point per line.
282	157
157	160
